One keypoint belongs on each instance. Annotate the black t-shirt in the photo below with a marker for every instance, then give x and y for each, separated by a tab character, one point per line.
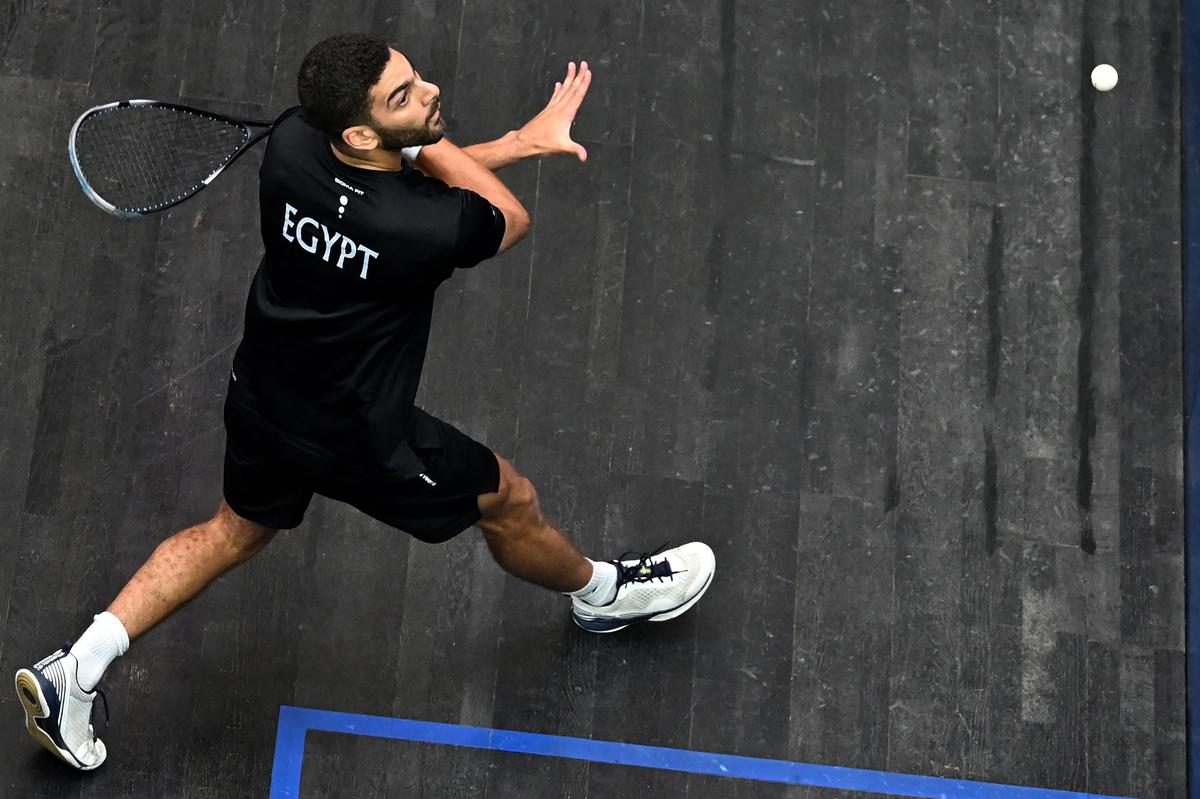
339	312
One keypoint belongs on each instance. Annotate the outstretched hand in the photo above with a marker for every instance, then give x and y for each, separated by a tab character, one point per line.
549	133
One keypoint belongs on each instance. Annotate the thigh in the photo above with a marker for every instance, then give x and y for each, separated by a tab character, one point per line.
443	500
259	486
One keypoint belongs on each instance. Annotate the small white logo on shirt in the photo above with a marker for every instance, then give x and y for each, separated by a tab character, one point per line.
346	185
428	479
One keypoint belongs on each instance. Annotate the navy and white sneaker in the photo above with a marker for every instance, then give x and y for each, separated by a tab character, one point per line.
58	713
654	587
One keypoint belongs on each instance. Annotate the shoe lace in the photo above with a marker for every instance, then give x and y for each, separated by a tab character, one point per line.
104	702
644	568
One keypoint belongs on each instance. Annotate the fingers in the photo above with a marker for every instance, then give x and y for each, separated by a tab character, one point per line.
574	91
574	85
580	87
563	86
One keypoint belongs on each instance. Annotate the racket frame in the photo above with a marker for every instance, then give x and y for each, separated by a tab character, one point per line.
105	205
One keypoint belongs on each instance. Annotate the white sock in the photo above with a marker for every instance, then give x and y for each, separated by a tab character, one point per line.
602	588
101	644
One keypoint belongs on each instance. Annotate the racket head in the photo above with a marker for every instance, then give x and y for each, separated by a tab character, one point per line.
134	158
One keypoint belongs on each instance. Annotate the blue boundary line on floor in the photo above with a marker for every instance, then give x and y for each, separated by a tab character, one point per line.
295	722
1190	100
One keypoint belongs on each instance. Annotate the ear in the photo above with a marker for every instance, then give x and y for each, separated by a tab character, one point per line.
360	137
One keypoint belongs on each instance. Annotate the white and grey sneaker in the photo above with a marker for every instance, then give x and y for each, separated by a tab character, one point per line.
653	587
58	713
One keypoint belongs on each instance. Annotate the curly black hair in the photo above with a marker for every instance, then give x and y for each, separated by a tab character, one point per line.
335	81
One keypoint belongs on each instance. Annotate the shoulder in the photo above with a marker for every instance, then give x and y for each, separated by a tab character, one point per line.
418	182
434	193
292	129
293	120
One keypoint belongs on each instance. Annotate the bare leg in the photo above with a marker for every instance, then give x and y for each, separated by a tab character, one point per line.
523	542
183	565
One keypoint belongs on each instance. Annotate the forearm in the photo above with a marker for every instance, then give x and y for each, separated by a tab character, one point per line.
457	167
499	153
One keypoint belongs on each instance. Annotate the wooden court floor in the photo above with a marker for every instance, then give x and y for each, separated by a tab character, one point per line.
878	298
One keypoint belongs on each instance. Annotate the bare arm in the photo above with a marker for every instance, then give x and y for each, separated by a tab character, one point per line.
548	133
450	164
508	149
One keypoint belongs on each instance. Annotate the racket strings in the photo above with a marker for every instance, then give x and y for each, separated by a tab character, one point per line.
139	158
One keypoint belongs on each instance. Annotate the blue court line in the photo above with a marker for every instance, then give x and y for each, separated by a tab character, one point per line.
1190	77
295	722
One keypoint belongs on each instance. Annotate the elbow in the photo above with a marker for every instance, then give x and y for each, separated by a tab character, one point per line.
524	224
516	227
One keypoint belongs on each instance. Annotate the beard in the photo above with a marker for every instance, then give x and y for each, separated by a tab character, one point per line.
396	139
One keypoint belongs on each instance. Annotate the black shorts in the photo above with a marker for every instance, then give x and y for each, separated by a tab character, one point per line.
271	483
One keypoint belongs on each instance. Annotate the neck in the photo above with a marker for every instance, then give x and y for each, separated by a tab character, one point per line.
379	160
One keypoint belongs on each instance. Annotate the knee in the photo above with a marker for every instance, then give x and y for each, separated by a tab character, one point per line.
241	538
514	507
520	498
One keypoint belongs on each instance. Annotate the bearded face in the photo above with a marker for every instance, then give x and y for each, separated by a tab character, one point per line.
430	131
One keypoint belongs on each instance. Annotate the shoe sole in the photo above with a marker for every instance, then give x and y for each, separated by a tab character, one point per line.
665	615
33	699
